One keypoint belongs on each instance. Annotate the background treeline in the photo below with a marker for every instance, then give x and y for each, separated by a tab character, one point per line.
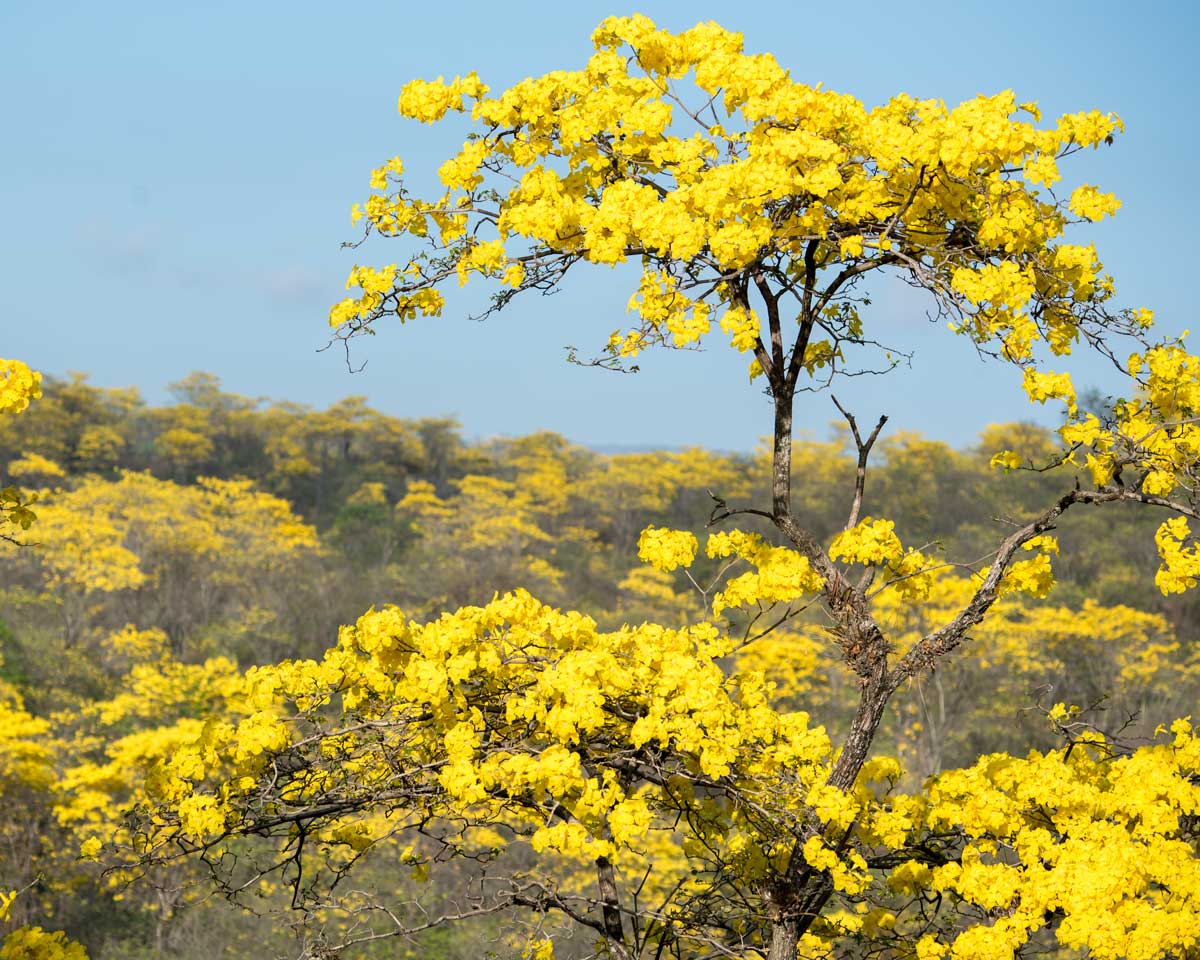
366	481
176	545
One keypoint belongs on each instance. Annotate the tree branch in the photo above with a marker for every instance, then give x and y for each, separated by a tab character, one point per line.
937	644
864	451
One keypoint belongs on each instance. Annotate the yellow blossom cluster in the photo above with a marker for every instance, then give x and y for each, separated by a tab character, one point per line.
870	542
874	543
428	102
742	326
1007	459
781	574
18	385
1157	429
661	306
666	549
1090	838
1035	575
1180	566
1090	203
1050	386
849	877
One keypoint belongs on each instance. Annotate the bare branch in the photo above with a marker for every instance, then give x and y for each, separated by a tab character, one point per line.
864	451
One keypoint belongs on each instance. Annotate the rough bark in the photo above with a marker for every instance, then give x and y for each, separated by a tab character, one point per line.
614	929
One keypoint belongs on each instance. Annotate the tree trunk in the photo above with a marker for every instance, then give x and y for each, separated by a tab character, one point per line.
785	935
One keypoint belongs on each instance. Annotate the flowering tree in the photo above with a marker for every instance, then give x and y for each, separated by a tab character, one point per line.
625	782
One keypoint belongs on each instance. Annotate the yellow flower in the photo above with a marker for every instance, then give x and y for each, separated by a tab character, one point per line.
870	542
18	385
1090	203
666	549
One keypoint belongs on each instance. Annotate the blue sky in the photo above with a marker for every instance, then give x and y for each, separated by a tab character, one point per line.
177	181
